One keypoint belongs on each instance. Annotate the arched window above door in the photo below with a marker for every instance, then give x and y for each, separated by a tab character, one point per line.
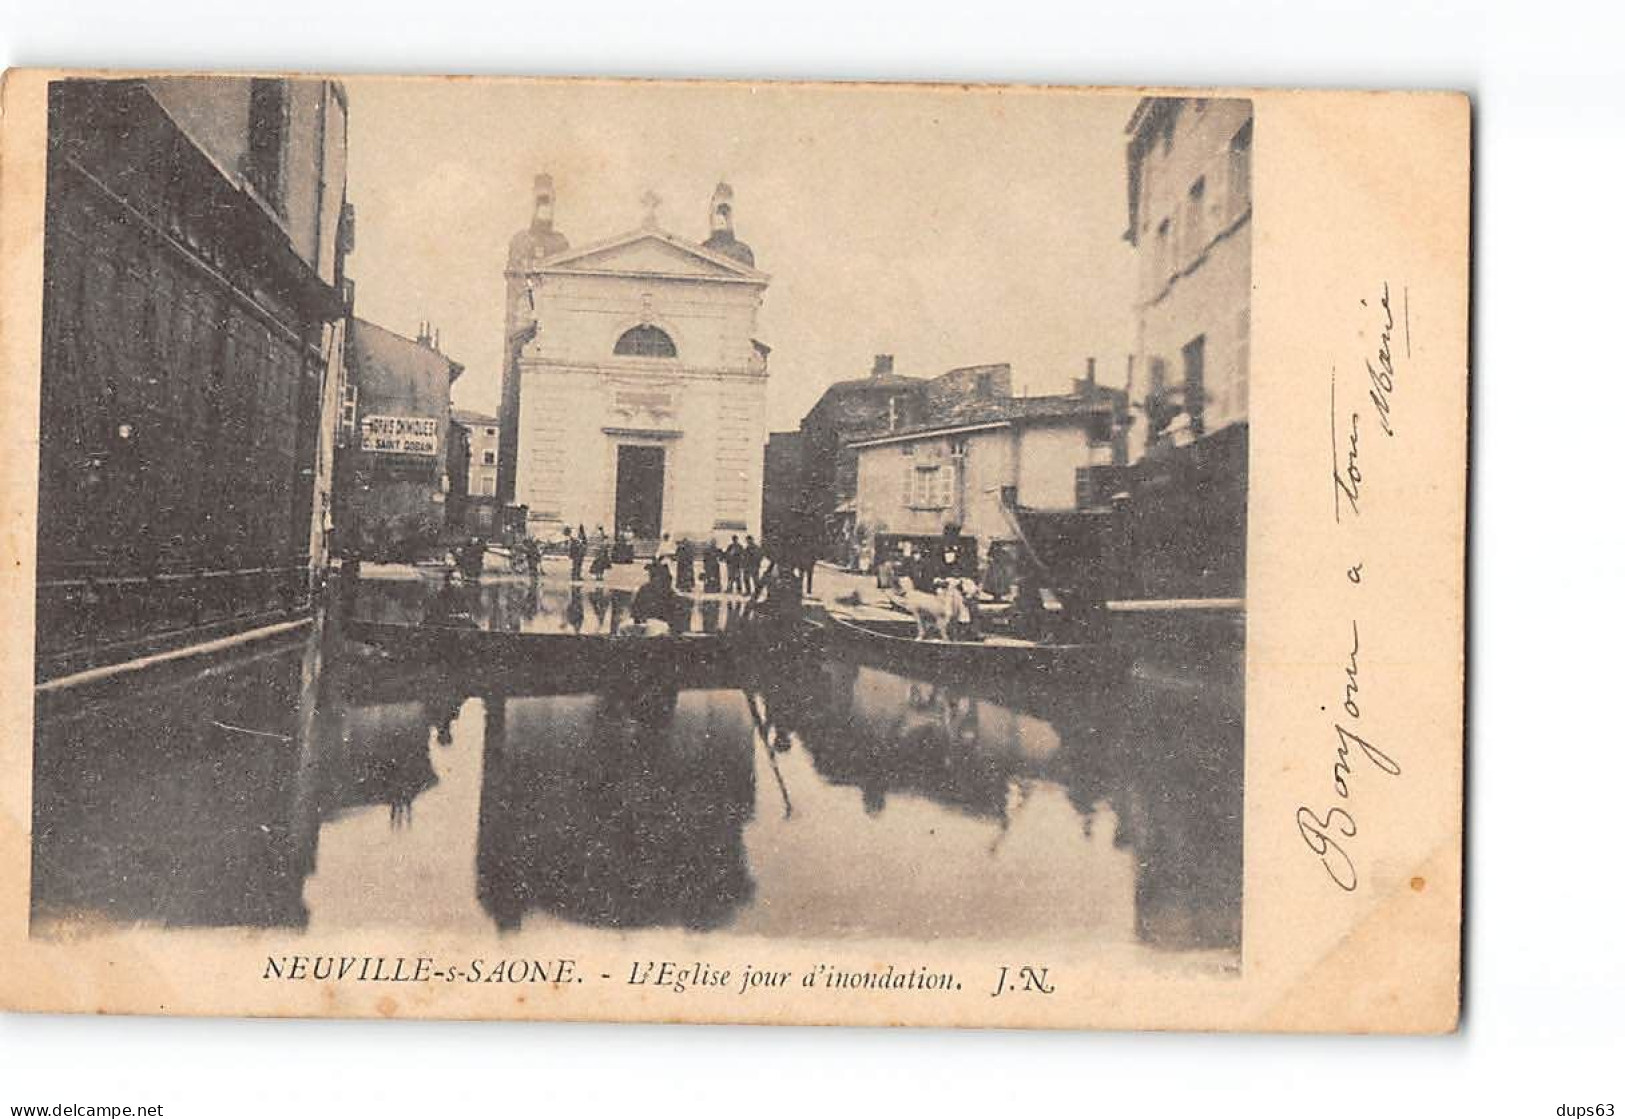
645	341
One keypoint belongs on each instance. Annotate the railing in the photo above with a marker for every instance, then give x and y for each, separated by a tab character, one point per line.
87	617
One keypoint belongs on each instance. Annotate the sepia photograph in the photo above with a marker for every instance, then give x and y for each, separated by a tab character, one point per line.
724	558
643	551
702	524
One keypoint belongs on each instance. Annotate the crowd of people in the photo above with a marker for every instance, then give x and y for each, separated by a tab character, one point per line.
741	567
940	582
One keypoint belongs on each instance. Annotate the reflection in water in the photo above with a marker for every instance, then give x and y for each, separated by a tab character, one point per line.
623	809
318	785
528	606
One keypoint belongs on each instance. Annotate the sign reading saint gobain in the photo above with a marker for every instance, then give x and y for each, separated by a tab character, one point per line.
400	435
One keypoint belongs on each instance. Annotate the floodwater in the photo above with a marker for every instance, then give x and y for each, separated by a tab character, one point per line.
317	785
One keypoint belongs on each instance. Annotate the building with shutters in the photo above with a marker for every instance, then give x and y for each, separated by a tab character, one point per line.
972	466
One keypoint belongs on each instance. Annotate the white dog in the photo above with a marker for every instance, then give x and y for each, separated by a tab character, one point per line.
930	612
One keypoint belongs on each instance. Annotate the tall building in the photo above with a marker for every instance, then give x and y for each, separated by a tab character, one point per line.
1190	191
195	232
484	445
472	504
394	477
633	396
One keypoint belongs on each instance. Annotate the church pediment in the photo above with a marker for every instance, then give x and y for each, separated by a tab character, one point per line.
652	253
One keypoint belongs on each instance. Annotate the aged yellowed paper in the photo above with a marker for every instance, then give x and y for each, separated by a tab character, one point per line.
734	552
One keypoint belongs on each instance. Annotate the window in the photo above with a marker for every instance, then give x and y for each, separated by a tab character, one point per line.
1241	169
489	458
929	487
267	138
488	487
491	431
1195	227
347	416
956	447
1195	389
1160	405
645	341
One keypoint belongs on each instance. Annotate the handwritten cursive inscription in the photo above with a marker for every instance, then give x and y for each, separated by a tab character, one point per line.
1381	371
1325	833
1329	834
1320	835
1347	476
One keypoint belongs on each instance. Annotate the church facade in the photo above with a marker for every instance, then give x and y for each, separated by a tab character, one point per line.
635	386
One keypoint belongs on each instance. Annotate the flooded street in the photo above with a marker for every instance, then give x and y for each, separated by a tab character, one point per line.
314	784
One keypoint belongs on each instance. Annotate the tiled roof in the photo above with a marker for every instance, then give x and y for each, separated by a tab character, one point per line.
973	411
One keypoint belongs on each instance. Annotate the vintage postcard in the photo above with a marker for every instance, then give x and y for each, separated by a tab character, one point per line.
733	552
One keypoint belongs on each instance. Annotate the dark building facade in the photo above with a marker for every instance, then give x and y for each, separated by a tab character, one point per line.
394	470
195	230
784	520
848	410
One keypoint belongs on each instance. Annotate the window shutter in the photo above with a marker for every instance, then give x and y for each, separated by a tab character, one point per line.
946	481
908	484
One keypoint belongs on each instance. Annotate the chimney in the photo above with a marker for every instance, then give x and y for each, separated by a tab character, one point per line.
883	366
1085	385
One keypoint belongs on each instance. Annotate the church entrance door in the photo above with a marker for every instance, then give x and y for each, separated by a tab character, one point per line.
640	483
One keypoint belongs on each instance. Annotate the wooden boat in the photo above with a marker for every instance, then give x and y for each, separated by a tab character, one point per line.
563	660
474	646
891	640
